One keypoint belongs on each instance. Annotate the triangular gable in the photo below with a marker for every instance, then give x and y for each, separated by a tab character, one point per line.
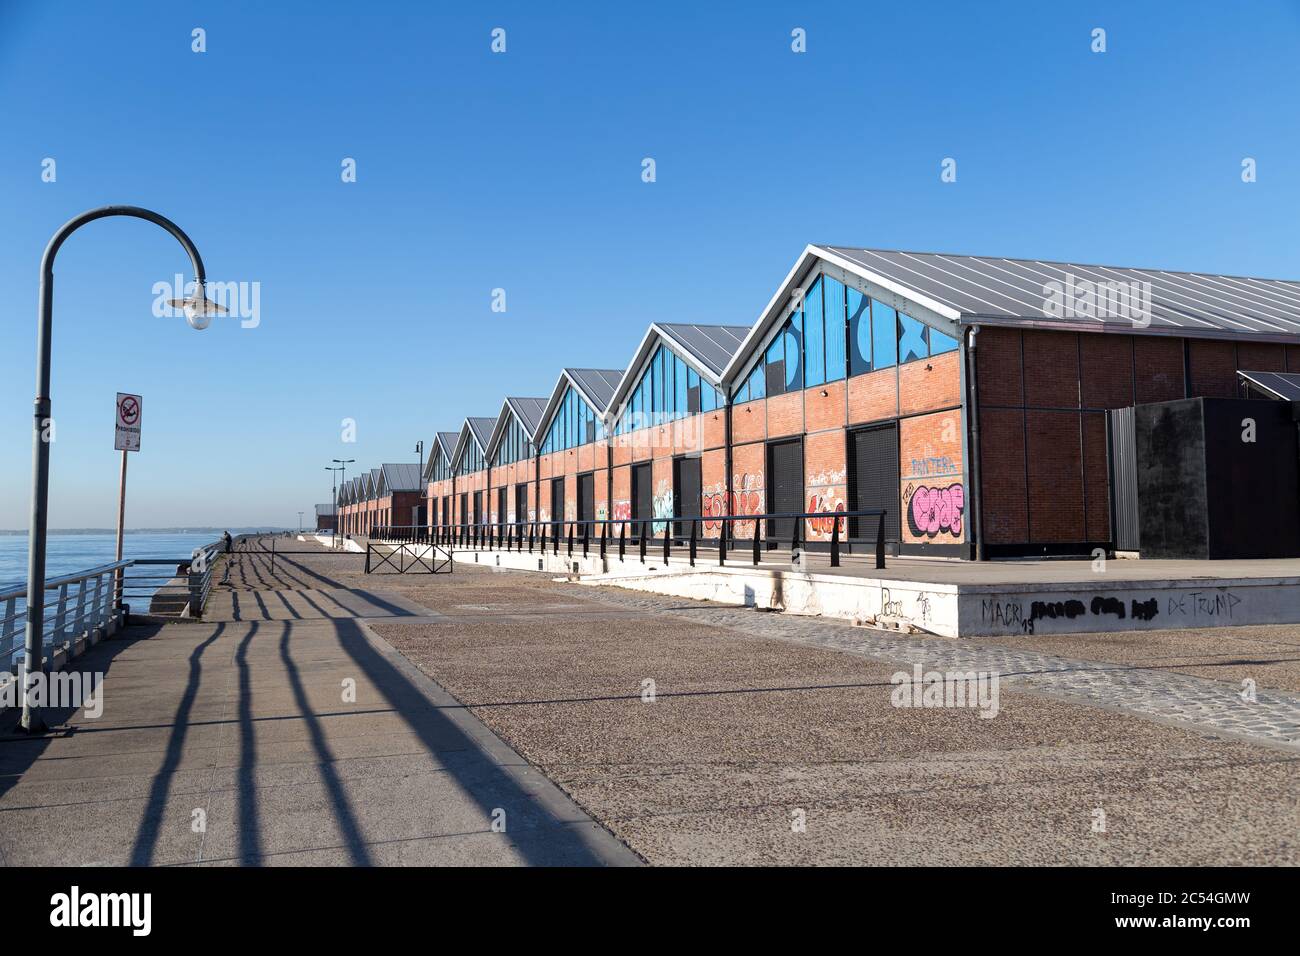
440	448
525	411
470	432
595	386
699	347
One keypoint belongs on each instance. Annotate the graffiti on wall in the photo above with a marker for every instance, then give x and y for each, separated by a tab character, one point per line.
622	509
934	497
934	510
746	499
1192	608
662	505
825	496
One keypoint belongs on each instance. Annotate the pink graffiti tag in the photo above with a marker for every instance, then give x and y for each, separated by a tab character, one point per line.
937	509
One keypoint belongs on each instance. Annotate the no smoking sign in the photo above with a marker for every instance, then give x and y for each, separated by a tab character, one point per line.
127	432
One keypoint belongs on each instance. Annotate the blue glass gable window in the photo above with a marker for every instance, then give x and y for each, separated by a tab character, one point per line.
838	331
514	445
667	390
471	459
575	423
859	308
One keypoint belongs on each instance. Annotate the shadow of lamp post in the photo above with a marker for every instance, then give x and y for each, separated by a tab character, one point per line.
197	310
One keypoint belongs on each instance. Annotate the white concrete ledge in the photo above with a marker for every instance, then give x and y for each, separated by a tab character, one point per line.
1109	601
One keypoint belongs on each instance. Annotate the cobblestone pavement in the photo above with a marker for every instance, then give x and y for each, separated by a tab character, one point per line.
1208	705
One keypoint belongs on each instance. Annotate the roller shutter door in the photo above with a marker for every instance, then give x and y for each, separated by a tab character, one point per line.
873	479
557	499
642	492
784	488
587	497
686	493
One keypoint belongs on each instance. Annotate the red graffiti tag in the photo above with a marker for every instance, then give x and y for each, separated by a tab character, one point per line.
823	504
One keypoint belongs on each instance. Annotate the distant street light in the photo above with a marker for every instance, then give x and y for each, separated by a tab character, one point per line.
334	499
343	463
197	308
300	522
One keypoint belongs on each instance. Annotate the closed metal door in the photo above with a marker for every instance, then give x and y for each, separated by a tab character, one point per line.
686	493
502	516
587	497
463	517
1121	434
874	480
521	502
557	499
784	487
642	492
478	507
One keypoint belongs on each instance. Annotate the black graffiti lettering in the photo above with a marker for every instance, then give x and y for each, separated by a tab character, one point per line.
1101	605
1146	610
1054	609
1213	605
1007	613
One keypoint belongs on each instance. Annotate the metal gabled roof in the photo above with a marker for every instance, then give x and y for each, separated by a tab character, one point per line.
595	385
482	429
951	291
442	444
706	348
477	430
991	289
372	484
714	345
402	476
527	411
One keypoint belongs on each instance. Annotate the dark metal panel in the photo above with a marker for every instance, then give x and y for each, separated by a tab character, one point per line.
642	492
687	488
587	497
784	486
557	499
1125	517
873	479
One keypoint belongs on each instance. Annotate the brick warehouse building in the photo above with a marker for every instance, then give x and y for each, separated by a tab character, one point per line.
512	462
968	396
438	478
573	465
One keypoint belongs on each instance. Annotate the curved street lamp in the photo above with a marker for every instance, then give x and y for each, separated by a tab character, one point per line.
198	310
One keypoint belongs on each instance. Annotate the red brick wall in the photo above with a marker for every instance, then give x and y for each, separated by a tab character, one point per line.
1042	397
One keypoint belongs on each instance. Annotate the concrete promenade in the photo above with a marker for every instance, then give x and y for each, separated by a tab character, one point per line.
280	730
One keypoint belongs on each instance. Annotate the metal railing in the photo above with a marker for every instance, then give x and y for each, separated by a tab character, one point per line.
78	603
760	533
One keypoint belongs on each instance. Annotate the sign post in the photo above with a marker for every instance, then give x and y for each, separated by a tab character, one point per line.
126	438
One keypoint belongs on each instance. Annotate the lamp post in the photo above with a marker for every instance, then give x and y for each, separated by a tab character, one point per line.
334	501
197	309
343	469
300	522
424	491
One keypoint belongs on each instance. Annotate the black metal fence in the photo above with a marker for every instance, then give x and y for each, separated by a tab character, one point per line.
604	535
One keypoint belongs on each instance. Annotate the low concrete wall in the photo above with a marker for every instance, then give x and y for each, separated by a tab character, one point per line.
947	609
344	544
1127	605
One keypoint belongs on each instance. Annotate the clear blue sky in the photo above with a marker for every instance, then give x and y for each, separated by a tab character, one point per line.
523	171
